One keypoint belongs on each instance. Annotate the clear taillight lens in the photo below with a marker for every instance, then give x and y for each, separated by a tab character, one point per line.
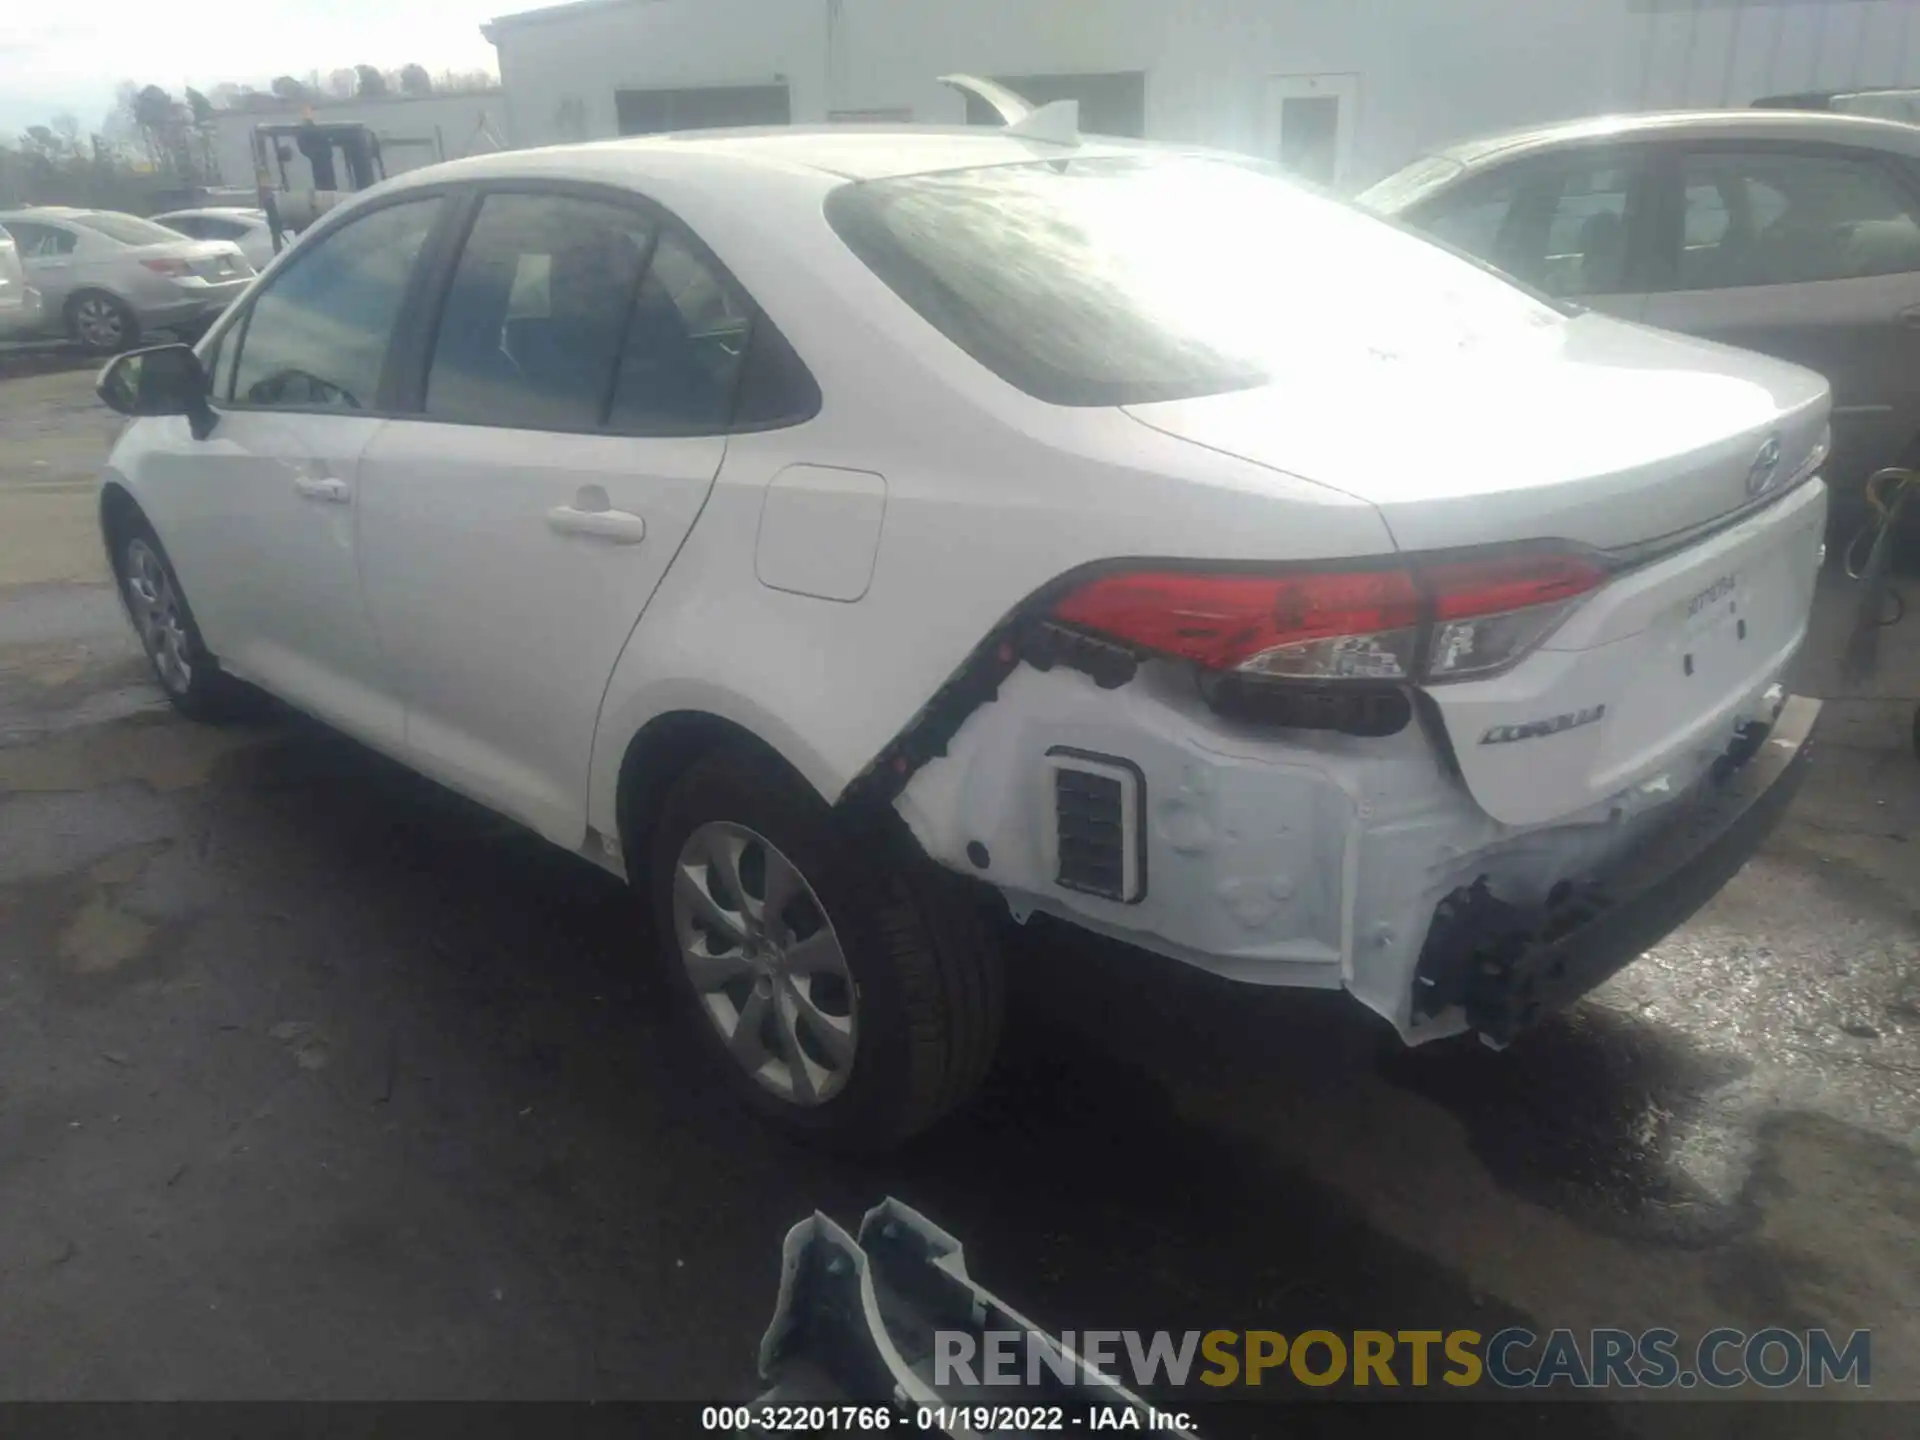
1435	622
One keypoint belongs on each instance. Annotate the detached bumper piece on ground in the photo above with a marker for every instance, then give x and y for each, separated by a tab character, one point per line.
856	1322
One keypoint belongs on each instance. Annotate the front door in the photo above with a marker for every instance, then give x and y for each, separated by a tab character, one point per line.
573	418
262	518
1812	255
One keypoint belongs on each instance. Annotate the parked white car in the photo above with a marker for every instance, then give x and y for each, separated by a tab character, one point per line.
851	535
20	306
105	278
246	228
1794	234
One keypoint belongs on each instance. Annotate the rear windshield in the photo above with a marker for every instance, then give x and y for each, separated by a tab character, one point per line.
1125	280
127	229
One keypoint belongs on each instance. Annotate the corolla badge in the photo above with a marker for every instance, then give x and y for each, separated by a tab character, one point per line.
1546	725
1765	468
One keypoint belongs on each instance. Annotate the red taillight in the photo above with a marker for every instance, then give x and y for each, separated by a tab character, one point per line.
1476	616
1465	589
1219	621
167	265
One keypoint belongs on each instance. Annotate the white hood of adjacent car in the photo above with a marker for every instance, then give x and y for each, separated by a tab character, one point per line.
1469	427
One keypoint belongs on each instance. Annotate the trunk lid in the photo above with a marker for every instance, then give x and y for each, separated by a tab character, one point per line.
1585	429
1645	684
1599	434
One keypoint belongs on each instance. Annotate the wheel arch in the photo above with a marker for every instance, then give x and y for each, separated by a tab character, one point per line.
118	509
659	752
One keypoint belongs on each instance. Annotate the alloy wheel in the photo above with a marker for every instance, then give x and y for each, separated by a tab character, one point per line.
98	321
155	606
765	962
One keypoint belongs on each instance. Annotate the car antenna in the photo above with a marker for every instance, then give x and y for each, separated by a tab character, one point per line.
1056	123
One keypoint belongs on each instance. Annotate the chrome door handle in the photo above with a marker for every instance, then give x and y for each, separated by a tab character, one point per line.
333	491
620	527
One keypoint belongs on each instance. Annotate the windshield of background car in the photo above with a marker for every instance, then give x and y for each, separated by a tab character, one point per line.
127	229
1125	280
1404	187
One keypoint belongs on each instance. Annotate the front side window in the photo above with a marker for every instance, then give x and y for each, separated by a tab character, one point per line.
1123	280
1784	218
317	336
41	242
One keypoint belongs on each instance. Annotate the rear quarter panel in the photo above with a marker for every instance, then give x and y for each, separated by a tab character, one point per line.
989	495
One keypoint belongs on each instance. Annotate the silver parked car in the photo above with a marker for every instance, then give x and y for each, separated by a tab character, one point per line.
19	301
246	228
105	277
1794	234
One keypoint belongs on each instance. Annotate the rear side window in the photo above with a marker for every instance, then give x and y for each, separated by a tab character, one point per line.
536	314
317	336
684	349
1124	280
127	229
1560	224
577	314
1784	218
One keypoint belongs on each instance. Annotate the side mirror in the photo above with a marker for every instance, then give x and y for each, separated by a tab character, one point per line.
160	380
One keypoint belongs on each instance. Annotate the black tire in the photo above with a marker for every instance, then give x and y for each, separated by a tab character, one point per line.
922	951
206	692
96	338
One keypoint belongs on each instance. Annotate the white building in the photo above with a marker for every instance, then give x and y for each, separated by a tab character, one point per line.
413	131
1346	89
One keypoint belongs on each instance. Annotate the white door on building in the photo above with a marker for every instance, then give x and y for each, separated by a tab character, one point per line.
1308	124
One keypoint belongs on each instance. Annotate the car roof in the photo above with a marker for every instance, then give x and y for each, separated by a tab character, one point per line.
1695	124
849	152
214	212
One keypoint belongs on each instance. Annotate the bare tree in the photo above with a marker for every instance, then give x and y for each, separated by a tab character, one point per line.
67	128
466	82
153	113
340	83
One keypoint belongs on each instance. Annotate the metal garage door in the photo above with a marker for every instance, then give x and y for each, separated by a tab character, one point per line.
648	112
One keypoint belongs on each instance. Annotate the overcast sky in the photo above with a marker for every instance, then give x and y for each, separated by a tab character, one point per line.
68	55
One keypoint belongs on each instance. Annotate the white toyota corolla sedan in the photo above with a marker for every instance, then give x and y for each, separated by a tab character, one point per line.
856	536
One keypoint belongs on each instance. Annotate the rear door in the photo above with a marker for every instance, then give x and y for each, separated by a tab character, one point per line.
1810	253
1569	223
571	415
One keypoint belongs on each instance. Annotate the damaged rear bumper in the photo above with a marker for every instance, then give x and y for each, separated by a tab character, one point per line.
1508	966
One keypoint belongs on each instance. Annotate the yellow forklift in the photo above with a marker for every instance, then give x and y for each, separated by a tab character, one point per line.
342	158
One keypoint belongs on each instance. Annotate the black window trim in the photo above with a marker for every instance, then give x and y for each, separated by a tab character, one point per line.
238	317
1667	211
421	314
